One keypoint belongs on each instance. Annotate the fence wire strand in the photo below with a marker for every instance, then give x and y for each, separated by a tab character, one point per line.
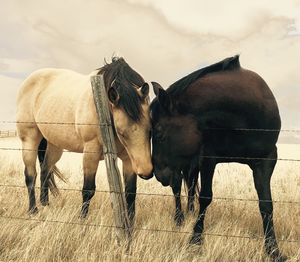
161	195
153	194
208	157
157	230
97	124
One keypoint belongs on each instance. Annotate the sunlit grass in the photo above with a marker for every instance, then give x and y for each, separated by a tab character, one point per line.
29	240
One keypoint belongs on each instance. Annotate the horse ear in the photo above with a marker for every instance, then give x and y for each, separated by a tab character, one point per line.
163	97
113	95
144	90
156	87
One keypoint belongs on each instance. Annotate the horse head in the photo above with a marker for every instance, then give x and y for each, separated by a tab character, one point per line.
175	136
128	95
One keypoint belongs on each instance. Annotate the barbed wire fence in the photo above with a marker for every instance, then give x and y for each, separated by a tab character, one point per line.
13	133
8	133
155	230
289	130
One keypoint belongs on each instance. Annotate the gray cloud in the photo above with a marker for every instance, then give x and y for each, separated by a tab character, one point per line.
158	42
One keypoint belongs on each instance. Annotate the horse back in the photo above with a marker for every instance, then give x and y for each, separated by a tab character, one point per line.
235	109
237	92
57	97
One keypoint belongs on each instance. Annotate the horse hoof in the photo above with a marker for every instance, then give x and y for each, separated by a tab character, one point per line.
83	214
179	219
279	257
45	202
196	239
131	216
274	253
33	211
131	221
282	258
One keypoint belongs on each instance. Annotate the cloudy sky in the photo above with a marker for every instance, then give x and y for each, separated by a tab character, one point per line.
162	39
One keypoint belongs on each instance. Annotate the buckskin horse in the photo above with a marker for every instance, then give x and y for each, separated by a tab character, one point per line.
221	113
56	112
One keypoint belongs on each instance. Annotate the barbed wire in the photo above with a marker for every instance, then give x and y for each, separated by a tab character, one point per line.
210	157
158	230
99	124
153	194
161	195
51	123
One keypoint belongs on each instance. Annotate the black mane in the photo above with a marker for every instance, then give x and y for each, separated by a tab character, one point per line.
120	75
180	85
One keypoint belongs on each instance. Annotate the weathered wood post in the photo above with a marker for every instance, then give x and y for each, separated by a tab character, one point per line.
117	196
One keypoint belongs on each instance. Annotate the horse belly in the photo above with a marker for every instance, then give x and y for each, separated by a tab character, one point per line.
56	121
63	137
239	146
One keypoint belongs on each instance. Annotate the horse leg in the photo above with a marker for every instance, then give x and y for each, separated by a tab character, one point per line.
50	157
30	143
90	165
262	173
205	197
176	188
130	188
191	182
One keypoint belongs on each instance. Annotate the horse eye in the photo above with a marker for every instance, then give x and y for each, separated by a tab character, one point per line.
159	137
158	134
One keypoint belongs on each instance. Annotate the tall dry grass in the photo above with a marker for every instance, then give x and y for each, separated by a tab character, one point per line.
30	240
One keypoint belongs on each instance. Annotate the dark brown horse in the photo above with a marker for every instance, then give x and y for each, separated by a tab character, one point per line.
221	113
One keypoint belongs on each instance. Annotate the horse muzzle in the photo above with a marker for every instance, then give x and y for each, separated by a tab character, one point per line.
143	170
146	177
164	176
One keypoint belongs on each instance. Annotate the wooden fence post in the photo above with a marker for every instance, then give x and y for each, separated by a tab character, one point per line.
117	196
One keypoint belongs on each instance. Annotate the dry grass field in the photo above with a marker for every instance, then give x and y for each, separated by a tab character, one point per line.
71	239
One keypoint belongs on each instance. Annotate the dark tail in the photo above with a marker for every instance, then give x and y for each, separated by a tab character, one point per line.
53	171
42	151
